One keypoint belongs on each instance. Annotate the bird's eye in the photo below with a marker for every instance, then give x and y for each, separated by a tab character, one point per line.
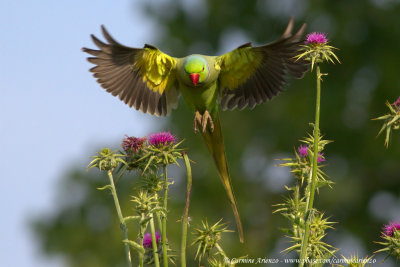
203	68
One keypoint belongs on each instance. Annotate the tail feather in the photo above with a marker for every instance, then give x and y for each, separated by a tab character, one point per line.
215	145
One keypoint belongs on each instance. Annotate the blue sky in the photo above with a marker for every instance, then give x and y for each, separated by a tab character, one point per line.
52	112
54	115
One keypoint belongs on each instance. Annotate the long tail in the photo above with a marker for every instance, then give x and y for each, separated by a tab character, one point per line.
215	145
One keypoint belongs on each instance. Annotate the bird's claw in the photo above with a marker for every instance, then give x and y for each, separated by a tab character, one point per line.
203	120
197	119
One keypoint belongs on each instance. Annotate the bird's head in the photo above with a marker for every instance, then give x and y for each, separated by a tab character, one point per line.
196	69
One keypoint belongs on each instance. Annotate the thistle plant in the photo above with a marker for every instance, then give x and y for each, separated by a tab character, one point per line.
391	231
151	242
149	157
301	165
308	224
391	237
161	150
108	161
146	205
207	239
185	216
316	49
296	206
133	150
148	240
391	120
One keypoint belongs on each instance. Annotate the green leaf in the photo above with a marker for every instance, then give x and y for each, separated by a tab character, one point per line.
134	245
387	139
105	187
390	107
395	118
173	159
144	221
382	129
384	117
148	163
92	163
131	218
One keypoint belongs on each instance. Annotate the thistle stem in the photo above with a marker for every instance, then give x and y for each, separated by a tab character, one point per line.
296	194
154	242
186	210
141	258
157	213
164	219
311	191
121	219
142	230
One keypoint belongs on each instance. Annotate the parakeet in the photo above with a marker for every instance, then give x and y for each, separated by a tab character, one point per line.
151	81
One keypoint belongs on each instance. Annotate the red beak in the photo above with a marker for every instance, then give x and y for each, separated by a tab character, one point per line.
194	77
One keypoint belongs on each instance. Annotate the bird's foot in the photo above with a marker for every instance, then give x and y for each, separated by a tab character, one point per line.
197	120
202	121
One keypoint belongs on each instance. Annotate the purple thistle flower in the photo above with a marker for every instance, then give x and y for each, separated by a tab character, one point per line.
303	151
133	144
316	38
161	139
147	241
320	158
397	103
390	228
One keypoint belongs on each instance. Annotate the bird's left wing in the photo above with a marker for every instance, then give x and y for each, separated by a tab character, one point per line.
141	77
253	75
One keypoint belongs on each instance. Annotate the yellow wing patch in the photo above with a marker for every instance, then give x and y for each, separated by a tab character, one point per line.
237	66
156	68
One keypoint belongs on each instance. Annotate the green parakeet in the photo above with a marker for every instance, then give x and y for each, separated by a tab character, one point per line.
151	81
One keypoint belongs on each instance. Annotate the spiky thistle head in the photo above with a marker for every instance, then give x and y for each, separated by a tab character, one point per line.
391	120
106	160
390	228
151	182
301	165
316	49
132	144
391	237
396	104
163	149
144	202
147	241
162	139
316	38
207	237
303	151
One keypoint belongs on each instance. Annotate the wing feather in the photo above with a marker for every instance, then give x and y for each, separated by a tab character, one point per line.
140	77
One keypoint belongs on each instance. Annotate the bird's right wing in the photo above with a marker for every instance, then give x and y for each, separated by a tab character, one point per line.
141	77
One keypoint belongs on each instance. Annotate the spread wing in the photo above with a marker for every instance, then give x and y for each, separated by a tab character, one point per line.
141	77
253	75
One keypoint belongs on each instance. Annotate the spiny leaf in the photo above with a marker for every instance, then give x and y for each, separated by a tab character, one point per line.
134	245
105	187
131	218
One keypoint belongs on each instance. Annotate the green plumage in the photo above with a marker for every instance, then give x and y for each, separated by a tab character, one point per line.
151	81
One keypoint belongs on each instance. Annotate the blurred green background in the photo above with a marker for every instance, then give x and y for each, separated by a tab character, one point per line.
84	230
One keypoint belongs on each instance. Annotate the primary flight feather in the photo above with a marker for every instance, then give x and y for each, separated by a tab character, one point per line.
151	81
